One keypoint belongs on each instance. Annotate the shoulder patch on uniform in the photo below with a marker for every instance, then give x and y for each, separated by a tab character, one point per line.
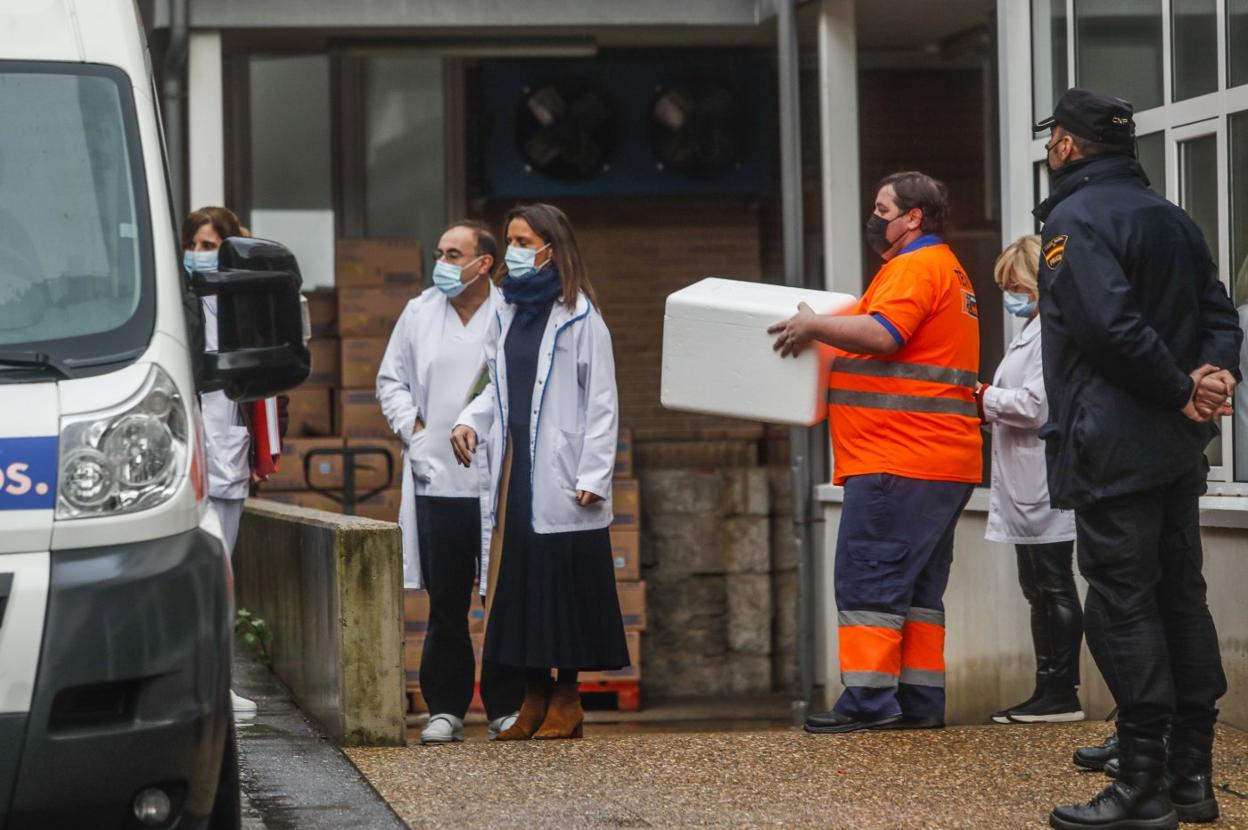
970	306
1054	251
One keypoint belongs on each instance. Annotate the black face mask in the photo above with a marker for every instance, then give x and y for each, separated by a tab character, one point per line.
877	233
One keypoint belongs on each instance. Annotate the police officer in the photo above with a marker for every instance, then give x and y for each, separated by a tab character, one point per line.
1141	353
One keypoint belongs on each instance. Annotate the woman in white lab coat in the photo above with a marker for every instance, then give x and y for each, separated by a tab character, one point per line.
1015	407
552	397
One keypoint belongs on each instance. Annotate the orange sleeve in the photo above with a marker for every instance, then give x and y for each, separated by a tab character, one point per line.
905	296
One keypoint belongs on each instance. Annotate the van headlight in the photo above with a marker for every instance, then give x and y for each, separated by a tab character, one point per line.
126	458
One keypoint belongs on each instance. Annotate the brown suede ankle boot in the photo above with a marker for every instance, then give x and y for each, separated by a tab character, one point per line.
564	718
532	712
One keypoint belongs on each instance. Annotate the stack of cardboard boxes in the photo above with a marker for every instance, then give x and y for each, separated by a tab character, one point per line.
337	407
626	551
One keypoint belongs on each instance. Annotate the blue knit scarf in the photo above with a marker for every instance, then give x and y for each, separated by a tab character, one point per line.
534	294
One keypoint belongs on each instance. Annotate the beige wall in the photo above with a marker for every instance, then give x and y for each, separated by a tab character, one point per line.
988	653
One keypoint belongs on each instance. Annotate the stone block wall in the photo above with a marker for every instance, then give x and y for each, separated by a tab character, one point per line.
719	595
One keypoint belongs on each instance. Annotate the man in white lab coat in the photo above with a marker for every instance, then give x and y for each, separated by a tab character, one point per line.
433	365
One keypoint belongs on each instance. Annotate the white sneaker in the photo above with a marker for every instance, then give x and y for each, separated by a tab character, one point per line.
243	708
442	729
499	725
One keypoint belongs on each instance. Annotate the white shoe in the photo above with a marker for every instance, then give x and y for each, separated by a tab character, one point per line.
243	708
499	725
442	729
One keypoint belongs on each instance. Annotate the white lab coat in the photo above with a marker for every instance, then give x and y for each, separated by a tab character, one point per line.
227	442
403	392
574	423
1016	405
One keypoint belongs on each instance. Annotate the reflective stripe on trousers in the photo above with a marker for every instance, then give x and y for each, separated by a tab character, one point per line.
878	650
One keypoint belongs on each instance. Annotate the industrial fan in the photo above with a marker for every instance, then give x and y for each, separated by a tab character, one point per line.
698	128
567	128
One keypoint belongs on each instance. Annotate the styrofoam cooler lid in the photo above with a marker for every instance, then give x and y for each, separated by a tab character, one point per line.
719	300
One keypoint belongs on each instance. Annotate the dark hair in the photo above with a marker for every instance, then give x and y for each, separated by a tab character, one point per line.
223	221
919	190
1089	148
486	242
552	225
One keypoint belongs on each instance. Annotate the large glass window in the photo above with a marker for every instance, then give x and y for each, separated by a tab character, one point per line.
404	148
1118	49
1048	55
291	180
1237	42
73	222
1152	153
1198	188
1194	45
1237	124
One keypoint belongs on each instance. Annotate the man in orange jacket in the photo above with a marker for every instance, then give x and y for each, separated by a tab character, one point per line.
907	449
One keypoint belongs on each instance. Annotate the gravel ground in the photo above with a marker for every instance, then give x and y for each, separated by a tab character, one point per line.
967	777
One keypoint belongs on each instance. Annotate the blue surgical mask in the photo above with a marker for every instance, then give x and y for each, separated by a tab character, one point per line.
1020	305
520	261
199	261
449	278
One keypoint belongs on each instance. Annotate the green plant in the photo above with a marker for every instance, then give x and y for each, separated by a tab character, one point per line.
254	633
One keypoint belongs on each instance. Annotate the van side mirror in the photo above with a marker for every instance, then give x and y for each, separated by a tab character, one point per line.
260	344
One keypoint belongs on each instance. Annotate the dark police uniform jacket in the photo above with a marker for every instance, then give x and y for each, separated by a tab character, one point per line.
1130	305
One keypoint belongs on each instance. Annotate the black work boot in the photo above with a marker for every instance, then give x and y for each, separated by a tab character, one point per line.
1190	767
1095	757
1138	800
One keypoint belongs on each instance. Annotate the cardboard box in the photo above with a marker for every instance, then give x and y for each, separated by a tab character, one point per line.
323	312
371	312
359	414
626	503
626	553
311	411
624	455
360	358
326	470
718	360
302	498
383	506
370	470
632	673
361	262
632	604
324	362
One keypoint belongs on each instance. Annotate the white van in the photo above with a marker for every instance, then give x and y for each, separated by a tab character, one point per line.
115	591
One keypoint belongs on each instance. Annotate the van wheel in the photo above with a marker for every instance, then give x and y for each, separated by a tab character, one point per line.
227	809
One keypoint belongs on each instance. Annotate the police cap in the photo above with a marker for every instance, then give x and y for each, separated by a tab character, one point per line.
1093	116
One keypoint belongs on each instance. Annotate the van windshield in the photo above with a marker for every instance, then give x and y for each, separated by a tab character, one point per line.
75	248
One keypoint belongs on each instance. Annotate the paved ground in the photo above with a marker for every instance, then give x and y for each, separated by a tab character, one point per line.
292	778
647	775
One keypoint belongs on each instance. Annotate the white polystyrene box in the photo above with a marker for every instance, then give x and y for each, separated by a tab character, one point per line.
718	357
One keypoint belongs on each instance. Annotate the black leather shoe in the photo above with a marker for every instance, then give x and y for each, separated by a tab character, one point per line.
1193	798
1111	768
908	722
1190	766
834	721
1095	757
1138	800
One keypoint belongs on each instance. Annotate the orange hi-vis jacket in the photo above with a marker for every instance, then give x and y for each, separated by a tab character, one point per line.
912	413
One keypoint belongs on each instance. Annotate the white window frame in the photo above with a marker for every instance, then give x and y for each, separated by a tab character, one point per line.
1180	121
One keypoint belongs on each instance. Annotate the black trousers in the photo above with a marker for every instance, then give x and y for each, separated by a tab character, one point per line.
449	530
1147	619
1046	575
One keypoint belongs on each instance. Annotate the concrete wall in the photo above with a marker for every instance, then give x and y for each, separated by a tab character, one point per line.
988	655
331	589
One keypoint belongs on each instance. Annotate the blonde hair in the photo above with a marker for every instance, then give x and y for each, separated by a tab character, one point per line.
1018	263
